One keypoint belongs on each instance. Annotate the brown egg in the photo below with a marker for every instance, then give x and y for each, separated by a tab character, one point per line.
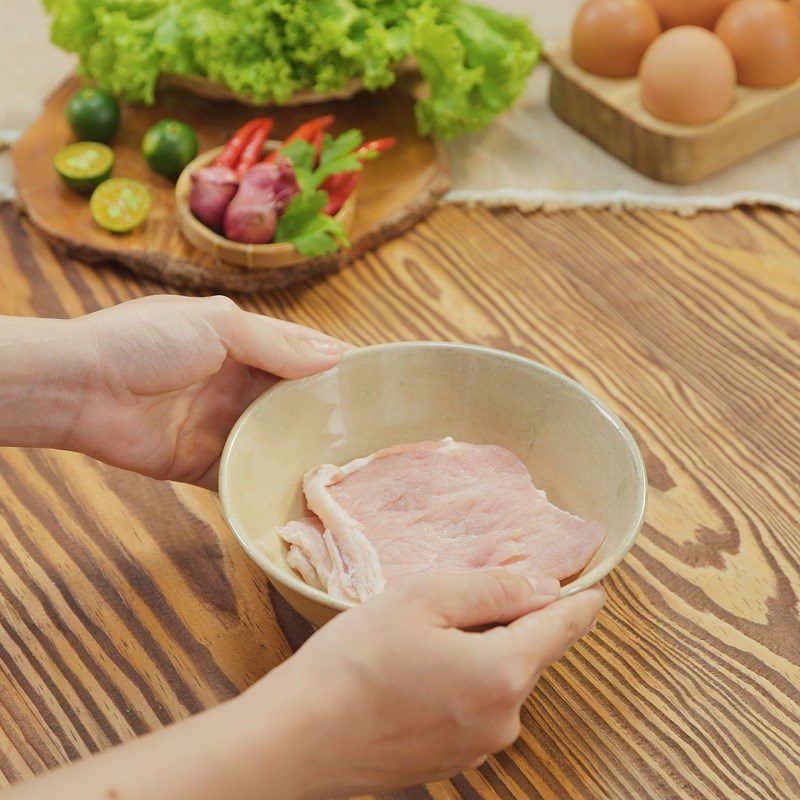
796	4
687	76
609	37
689	12
764	37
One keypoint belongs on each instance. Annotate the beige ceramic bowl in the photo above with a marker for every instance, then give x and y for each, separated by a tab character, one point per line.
575	448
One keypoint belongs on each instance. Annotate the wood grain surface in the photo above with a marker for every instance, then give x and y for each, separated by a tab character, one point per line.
401	186
126	603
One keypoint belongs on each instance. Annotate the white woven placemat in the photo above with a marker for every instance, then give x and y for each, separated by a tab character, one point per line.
526	158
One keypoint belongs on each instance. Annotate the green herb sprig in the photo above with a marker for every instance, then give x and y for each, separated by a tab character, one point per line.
303	224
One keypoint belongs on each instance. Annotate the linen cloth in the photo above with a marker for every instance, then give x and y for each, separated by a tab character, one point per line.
527	158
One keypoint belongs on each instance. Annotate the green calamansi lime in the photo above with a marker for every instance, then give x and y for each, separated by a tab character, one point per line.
169	146
84	165
93	115
120	204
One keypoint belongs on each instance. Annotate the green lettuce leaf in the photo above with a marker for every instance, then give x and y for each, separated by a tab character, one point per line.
475	60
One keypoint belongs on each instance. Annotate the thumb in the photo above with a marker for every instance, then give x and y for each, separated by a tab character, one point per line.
546	635
484	597
282	348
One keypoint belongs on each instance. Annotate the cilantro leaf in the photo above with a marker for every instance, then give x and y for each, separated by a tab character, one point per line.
302	156
305	226
338	155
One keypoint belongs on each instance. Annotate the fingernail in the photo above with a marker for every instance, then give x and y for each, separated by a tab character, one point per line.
329	347
545	585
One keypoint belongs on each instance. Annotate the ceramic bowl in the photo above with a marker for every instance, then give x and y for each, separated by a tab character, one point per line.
253	256
575	448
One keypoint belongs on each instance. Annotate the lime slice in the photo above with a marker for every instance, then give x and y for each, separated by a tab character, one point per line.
84	165
120	204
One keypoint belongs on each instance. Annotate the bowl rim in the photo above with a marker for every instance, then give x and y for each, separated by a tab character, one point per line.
296	584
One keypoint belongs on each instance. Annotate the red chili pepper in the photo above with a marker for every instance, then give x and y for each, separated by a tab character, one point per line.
340	186
377	145
318	141
229	157
254	148
308	132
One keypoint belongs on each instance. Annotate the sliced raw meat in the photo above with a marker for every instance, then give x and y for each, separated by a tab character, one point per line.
439	506
308	553
355	569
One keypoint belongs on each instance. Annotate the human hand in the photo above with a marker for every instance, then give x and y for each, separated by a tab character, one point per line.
164	378
396	691
391	693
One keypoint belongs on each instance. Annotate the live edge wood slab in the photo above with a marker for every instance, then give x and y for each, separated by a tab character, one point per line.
396	190
126	604
609	111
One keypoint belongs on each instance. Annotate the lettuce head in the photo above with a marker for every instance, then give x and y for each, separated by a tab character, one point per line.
474	60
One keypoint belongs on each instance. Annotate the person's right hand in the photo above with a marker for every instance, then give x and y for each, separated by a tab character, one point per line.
399	691
391	693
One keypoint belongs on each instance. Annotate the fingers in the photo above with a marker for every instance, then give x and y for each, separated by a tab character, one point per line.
548	633
281	348
485	597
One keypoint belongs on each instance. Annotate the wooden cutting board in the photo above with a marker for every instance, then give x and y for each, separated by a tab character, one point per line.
609	111
398	189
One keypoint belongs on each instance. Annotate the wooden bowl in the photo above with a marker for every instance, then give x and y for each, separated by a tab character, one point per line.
575	448
210	90
252	256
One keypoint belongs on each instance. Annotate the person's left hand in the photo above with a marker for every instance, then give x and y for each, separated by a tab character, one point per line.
166	377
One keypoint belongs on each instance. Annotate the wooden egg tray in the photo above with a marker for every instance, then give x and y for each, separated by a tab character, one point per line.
609	111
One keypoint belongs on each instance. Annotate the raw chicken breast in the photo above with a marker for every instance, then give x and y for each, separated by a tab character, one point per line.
440	506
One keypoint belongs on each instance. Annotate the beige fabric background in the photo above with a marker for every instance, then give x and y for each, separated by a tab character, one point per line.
527	158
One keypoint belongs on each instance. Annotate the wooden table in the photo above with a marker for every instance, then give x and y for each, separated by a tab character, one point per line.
127	604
